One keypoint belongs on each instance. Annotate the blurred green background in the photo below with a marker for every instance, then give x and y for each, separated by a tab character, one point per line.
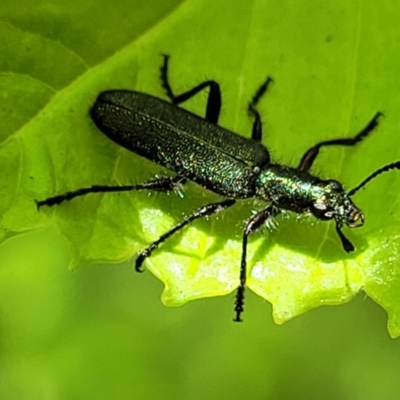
101	331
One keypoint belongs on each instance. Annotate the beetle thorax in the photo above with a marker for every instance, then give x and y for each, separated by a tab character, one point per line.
290	189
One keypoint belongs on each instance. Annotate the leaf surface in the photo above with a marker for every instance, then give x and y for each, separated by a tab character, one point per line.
334	66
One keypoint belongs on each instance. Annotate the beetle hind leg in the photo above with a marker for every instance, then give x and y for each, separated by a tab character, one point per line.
213	108
161	184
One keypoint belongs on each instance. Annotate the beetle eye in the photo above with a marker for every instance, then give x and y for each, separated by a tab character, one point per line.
319	206
335	185
319	210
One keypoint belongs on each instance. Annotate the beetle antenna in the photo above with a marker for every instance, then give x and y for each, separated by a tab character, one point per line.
386	168
347	245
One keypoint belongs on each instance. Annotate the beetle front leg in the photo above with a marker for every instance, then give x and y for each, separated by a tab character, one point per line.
311	154
252	225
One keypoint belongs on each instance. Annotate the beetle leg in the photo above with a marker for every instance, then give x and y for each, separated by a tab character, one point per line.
309	157
214	95
163	184
201	212
252	225
256	133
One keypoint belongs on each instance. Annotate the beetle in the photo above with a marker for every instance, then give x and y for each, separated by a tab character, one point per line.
198	149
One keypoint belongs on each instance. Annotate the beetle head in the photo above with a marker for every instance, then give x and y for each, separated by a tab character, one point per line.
332	202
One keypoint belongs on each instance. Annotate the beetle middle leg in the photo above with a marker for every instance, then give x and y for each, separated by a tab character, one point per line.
201	212
214	95
309	157
162	184
256	133
252	225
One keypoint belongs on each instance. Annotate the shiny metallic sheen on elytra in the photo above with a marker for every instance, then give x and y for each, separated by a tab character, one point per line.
181	141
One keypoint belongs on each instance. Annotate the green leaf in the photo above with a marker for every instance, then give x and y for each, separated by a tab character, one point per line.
334	66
